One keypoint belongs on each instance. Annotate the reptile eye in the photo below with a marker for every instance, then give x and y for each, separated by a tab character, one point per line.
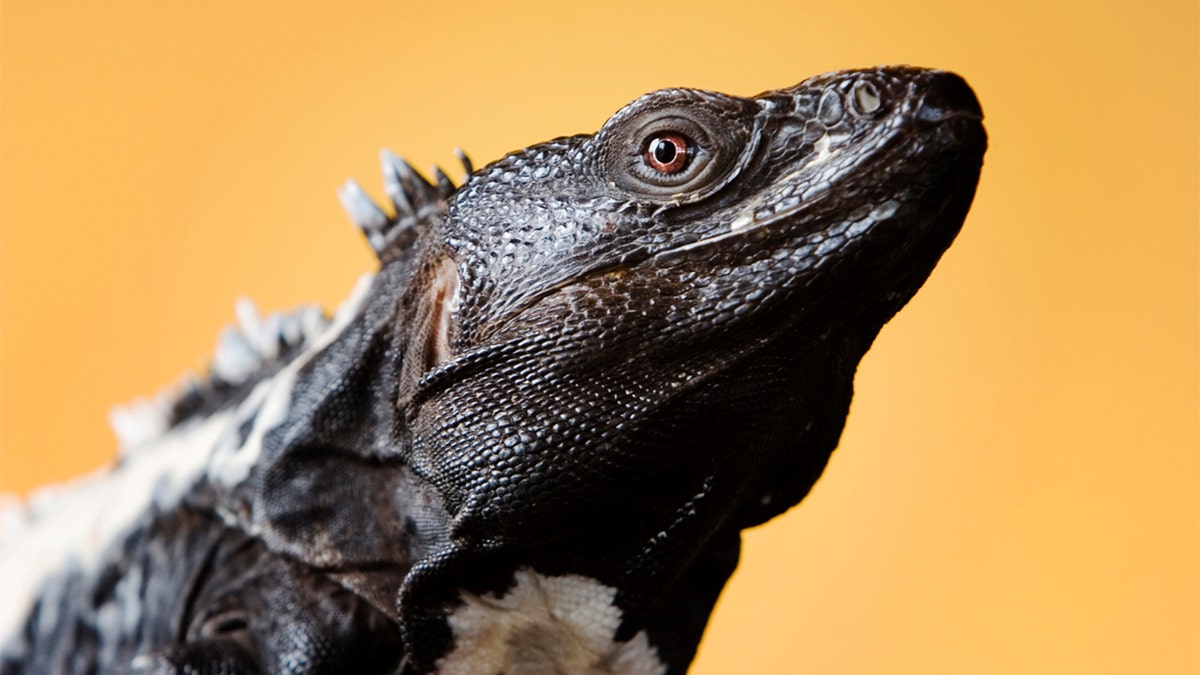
667	152
677	146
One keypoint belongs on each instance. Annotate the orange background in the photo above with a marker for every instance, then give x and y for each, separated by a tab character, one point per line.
1016	491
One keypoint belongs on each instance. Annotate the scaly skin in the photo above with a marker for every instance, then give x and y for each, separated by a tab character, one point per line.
531	443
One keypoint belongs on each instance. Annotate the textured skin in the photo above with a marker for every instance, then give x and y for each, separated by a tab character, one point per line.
572	364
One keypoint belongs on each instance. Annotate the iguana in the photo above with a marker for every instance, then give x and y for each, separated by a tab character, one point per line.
529	442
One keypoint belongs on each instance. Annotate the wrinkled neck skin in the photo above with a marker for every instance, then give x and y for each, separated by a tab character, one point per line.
639	485
635	466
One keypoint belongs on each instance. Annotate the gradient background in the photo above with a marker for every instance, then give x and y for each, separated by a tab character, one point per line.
1016	491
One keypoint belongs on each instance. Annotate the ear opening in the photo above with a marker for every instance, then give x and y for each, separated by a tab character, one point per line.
432	325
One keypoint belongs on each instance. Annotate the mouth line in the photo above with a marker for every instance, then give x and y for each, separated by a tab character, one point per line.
741	226
665	256
746	223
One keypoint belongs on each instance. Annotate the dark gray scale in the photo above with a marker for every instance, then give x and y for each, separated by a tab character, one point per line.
184	594
532	442
188	589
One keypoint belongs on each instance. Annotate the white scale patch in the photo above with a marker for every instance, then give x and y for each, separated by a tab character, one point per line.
742	222
231	464
823	152
545	626
70	527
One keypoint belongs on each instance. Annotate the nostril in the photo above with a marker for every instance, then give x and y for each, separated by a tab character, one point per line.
866	97
948	95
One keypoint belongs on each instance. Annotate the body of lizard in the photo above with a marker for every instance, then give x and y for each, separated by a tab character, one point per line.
529	442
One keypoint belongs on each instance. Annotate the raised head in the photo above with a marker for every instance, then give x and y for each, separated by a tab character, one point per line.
624	347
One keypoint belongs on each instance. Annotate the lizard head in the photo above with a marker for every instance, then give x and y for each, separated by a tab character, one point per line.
620	346
837	195
704	263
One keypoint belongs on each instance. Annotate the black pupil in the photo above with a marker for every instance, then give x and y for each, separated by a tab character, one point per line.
664	151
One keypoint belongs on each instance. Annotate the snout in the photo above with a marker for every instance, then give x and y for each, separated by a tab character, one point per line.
947	96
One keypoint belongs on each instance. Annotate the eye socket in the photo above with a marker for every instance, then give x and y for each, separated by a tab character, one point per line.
667	152
677	146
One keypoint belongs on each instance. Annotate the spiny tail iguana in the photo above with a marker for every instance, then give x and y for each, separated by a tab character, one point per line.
529	442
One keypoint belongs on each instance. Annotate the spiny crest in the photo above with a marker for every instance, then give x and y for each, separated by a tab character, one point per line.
258	346
416	202
246	353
